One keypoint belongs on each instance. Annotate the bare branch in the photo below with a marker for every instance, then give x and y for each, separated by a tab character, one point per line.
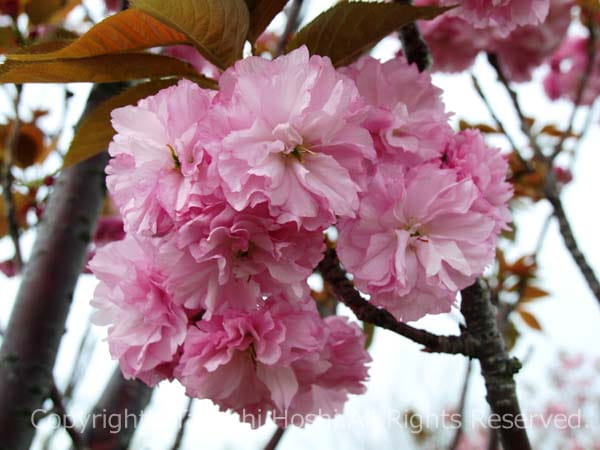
367	312
566	231
293	20
66	421
182	425
461	407
415	48
497	367
275	439
38	318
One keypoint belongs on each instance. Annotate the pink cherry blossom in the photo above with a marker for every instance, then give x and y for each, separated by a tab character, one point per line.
257	362
454	43
190	54
158	156
243	252
145	327
567	67
417	240
504	15
294	139
406	116
341	369
468	154
526	48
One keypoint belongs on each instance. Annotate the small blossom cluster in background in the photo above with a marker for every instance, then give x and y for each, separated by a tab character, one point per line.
225	197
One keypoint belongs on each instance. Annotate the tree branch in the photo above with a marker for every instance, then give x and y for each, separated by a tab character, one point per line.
293	20
66	421
182	425
461	407
275	439
121	397
37	322
367	312
415	48
497	368
566	231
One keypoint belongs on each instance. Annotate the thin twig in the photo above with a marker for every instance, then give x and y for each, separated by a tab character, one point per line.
12	140
542	236
275	439
291	26
566	231
182	425
461	406
581	88
524	122
66	421
367	312
497	121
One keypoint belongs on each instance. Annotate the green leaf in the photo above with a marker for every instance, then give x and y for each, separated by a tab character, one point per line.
98	69
218	28
348	29
262	13
95	131
125	32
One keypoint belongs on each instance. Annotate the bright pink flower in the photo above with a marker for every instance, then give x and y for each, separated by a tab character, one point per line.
8	268
242	252
567	67
406	116
526	48
158	158
145	327
257	362
190	54
417	240
504	15
468	154
294	139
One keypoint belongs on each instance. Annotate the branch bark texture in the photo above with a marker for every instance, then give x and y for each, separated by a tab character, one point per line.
37	322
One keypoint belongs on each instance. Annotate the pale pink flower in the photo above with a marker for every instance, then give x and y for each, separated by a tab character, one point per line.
526	48
504	15
194	57
145	327
294	139
406	117
158	158
242	252
417	240
469	155
567	67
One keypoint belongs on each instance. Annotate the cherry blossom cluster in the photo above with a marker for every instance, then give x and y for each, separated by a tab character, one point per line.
523	34
225	197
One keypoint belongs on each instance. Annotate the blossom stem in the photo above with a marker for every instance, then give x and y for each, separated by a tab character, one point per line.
293	20
367	312
497	367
